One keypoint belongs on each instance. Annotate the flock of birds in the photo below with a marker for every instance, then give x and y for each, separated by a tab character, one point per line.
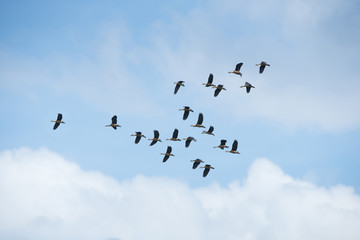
187	110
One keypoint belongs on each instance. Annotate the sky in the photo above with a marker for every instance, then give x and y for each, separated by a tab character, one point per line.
298	130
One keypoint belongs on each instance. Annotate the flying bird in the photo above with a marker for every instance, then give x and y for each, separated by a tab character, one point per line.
156	138
210	131
218	89
210	80
248	87
178	84
188	141
207	168
196	163
113	123
174	136
234	148
262	66
57	121
237	69
199	121
138	136
222	144
186	110
167	154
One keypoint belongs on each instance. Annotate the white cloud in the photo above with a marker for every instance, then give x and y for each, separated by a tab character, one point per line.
44	196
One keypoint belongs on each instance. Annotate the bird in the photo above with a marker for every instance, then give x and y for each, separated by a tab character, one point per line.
210	80
57	121
222	144
138	136
237	69
178	84
199	121
156	138
207	168
167	154
196	163
234	148
262	66
210	131
113	123
186	110
218	89
248	86
188	141
174	136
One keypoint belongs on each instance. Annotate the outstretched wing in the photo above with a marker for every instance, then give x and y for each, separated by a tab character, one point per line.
206	171
210	79
217	92
223	142
186	114
176	88
156	134
187	143
262	67
137	139
211	129
200	119
56	125
238	66
234	146
169	149
59	117
114	120
153	142
166	157
175	133
196	164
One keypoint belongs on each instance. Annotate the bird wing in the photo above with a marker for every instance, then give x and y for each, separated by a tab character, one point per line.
217	90
168	150
196	164
137	139
248	88
234	146
211	77
59	117
211	129
176	88
153	142
187	143
262	67
238	66
186	114
114	120
206	171
200	119
166	157
175	133
56	125
156	134
223	142
114	127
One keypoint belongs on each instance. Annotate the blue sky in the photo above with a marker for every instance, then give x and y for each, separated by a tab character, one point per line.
90	60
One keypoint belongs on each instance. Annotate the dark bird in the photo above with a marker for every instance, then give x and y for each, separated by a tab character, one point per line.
156	138
196	163
207	168
199	121
188	141
210	80
222	144
237	69
218	89
58	121
234	148
262	66
186	110
113	123
178	84
174	136
138	136
167	154
248	86
210	131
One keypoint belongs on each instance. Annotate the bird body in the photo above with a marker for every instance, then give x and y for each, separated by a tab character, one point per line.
207	168
57	121
186	110
234	148
167	154
237	69
188	141
138	136
174	136
262	66
199	121
178	84
210	131
196	163
248	87
222	145
113	123
156	138
210	80
218	89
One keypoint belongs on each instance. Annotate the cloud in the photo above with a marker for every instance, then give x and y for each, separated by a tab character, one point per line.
44	196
